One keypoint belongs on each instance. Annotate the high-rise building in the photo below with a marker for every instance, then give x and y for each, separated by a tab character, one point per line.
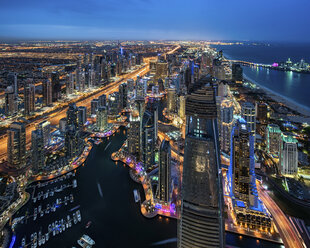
289	155
262	112
11	103
70	83
29	99
202	222
274	140
72	141
17	144
134	135
102	118
82	116
242	163
164	176
114	104
73	116
102	100
131	85
12	81
182	102
171	100
62	125
141	89
226	123
37	150
56	87
237	73
161	71
148	139
248	113
94	105
123	91
47	93
45	128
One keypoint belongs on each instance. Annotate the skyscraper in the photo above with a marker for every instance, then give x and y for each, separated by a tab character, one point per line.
29	98
134	135
141	89
123	91
248	113
12	81
102	100
94	105
201	223
70	83
37	150
102	118
289	155
47	93
56	87
82	117
182	102
17	144
73	116
11	104
114	104
72	141
45	128
148	139
164	178
171	100
226	122
237	73
274	140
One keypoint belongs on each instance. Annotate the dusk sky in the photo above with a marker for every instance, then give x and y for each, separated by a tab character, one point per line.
280	20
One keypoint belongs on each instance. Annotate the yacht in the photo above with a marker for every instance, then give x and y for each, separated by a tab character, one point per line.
136	195
86	242
78	214
74	218
24	242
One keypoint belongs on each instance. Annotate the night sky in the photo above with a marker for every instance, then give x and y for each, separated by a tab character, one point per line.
277	20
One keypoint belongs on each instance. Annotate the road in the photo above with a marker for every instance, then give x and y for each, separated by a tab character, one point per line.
287	232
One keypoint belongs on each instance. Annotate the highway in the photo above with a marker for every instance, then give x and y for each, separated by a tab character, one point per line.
287	232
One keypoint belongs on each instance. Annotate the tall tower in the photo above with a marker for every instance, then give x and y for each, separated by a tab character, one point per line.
45	128
134	134
123	91
56	87
37	149
47	93
102	118
171	100
201	223
227	112
164	179
17	144
29	99
12	81
82	117
289	155
248	113
72	116
11	104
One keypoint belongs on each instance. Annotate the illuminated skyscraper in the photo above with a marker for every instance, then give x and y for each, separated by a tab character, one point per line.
226	122
141	89
11	103
82	117
12	81
94	105
73	116
134	135
237	73
273	140
248	113
161	71
202	222
114	104
47	93
102	100
182	102
164	177
17	144
148	139
70	84
102	118
29	98
171	100
289	155
45	129
37	150
72	141
242	163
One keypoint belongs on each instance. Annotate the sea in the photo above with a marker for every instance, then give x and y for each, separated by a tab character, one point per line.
292	86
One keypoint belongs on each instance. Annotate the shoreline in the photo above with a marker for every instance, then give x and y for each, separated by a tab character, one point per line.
293	105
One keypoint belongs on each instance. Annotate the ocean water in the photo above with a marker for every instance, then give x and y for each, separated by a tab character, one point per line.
291	85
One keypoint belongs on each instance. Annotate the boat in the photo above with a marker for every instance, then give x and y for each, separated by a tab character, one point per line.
136	195
74	218
24	242
78	214
88	224
47	236
86	242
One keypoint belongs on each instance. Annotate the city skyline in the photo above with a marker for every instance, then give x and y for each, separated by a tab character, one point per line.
153	20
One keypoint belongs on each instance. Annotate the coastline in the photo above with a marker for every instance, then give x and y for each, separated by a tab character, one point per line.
303	110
